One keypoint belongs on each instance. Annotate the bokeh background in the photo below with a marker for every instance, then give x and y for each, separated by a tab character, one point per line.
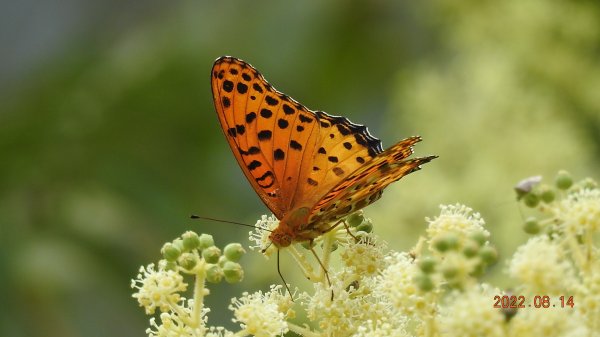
109	140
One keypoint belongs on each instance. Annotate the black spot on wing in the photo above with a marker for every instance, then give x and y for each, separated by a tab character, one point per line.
271	100
278	154
260	180
246	77
338	171
257	87
228	86
242	88
295	145
288	110
254	164
226	102
240	129
266	113
264	135
251	151
305	119
282	123
250	117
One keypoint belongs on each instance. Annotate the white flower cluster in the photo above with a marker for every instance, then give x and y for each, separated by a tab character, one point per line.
434	290
542	267
259	314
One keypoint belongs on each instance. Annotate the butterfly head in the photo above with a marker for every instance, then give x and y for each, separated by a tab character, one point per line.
289	226
281	239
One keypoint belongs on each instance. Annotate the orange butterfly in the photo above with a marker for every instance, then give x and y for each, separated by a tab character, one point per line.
308	167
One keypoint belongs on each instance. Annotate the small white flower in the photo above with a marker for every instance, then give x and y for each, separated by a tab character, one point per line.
260	235
381	329
455	219
580	211
471	314
588	299
548	322
158	288
219	332
365	257
259	315
349	308
396	284
542	267
172	325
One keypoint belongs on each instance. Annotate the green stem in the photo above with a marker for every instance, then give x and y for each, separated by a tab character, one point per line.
302	331
198	296
304	265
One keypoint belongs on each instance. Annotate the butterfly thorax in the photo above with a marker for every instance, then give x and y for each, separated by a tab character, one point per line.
289	226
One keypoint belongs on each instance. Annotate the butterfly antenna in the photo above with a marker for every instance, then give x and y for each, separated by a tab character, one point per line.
281	275
267	247
193	216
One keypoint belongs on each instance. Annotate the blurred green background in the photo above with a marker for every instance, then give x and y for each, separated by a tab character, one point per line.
109	140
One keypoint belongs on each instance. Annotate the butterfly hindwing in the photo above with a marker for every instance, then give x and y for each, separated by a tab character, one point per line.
365	185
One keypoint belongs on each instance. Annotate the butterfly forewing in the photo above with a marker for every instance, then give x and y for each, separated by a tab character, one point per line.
291	155
237	109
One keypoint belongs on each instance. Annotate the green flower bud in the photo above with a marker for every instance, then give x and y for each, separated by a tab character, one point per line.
334	246
563	180
355	219
188	261
170	252
547	194
178	243
233	252
233	272
214	273
446	242
479	237
471	248
424	282
170	265
190	240
478	271
427	264
366	226
531	200
211	254
307	244
488	255
531	226
449	272
206	241
588	183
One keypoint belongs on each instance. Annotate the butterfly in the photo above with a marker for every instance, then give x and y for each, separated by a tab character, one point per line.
308	167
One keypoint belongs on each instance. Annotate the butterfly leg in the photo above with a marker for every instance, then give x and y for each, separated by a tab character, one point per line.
322	266
356	239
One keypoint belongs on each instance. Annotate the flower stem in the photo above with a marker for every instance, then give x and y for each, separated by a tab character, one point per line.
302	331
